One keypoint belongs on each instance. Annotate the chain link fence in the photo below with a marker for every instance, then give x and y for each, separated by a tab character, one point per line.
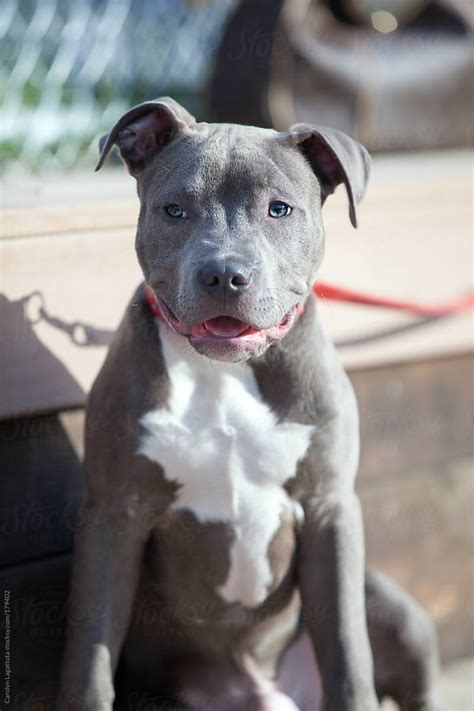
68	68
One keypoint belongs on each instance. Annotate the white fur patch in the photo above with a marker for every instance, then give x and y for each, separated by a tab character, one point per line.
223	444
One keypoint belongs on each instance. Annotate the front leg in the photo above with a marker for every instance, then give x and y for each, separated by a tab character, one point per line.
331	580
107	557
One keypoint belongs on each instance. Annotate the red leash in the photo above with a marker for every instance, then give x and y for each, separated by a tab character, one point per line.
337	293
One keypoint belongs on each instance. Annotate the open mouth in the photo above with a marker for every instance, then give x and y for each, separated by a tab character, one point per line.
231	328
224	336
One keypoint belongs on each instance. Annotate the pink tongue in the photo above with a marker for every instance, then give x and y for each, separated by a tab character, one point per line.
225	326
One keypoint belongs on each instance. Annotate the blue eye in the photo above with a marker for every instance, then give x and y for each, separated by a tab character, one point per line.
174	210
279	209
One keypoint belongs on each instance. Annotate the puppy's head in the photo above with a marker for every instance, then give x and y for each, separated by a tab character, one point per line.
230	234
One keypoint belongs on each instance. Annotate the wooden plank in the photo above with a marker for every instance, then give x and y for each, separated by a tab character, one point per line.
415	484
89	278
415	414
412	243
38	594
41	488
61	219
415	242
88	201
417	511
419	530
66	188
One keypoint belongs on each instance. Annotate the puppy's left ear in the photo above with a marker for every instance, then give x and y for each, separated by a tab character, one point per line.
335	158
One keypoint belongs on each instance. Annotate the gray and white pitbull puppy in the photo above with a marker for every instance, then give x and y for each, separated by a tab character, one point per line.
220	547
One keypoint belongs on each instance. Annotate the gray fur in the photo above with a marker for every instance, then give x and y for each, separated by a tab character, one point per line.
132	557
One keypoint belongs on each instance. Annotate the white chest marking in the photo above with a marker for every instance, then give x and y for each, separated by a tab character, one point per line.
224	446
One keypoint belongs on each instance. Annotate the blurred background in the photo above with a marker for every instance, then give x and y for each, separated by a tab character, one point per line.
70	67
395	74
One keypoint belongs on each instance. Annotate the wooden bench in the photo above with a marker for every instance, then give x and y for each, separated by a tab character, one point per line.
71	239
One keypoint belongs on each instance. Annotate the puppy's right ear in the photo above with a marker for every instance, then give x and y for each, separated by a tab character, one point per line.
335	158
143	131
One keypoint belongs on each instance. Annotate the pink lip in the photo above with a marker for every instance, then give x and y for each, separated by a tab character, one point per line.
225	333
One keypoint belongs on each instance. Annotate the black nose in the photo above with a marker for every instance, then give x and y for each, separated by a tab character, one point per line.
224	276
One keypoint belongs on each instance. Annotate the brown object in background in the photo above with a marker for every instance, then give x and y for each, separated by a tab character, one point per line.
398	83
416	487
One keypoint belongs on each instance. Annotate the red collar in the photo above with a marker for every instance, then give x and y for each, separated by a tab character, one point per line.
337	293
151	298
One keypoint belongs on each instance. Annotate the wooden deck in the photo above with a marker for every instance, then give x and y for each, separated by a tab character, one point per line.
70	239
